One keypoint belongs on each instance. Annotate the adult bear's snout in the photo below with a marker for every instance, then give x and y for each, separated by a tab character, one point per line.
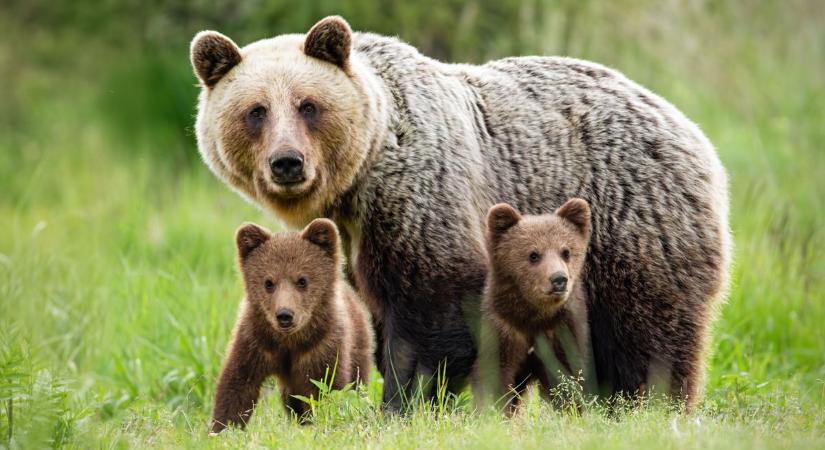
287	167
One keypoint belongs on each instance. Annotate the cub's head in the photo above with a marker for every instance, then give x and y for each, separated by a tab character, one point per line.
541	257
286	121
289	277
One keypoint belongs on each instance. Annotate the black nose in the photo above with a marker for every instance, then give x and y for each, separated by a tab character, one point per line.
559	281
284	317
287	167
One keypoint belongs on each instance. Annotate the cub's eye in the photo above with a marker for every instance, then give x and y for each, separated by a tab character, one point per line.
269	286
257	113
565	255
534	256
301	283
308	110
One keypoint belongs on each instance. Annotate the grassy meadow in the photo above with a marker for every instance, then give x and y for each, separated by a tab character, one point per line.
118	286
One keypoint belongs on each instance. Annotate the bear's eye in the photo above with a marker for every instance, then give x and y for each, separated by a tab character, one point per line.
308	110
269	285
257	113
534	256
565	255
301	283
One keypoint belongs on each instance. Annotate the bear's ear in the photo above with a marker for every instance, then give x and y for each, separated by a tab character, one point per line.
323	233
330	40
501	218
577	212
249	237
213	55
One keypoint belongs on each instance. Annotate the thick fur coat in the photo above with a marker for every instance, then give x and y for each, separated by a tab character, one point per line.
534	292
298	322
407	153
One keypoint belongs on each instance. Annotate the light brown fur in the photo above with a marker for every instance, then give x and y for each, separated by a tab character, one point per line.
299	273
349	117
406	154
526	254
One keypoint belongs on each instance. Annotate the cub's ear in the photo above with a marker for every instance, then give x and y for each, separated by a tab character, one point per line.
323	233
501	218
213	55
249	237
330	40
577	212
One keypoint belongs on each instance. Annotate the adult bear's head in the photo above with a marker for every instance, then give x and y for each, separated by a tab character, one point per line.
286	121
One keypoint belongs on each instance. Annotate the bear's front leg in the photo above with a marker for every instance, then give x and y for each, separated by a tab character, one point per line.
515	372
297	407
238	387
418	286
399	369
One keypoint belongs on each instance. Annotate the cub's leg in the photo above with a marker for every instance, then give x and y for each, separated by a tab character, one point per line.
292	405
514	369
532	369
238	386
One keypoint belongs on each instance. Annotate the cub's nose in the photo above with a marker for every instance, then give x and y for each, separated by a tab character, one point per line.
559	282
284	317
287	167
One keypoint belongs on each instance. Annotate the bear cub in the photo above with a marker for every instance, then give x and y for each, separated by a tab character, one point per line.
299	319
534	290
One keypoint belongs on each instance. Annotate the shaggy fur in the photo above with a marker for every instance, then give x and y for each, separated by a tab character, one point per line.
408	153
525	255
299	272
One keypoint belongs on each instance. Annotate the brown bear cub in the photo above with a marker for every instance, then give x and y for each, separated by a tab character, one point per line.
298	320
534	289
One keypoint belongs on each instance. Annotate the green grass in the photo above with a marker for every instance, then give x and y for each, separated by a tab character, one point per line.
118	288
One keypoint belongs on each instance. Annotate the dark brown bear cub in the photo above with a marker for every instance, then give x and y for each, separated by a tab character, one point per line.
298	320
534	289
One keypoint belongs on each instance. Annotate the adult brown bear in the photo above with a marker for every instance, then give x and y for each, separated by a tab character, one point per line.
406	154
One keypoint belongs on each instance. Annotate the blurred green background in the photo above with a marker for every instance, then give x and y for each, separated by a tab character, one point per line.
117	281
